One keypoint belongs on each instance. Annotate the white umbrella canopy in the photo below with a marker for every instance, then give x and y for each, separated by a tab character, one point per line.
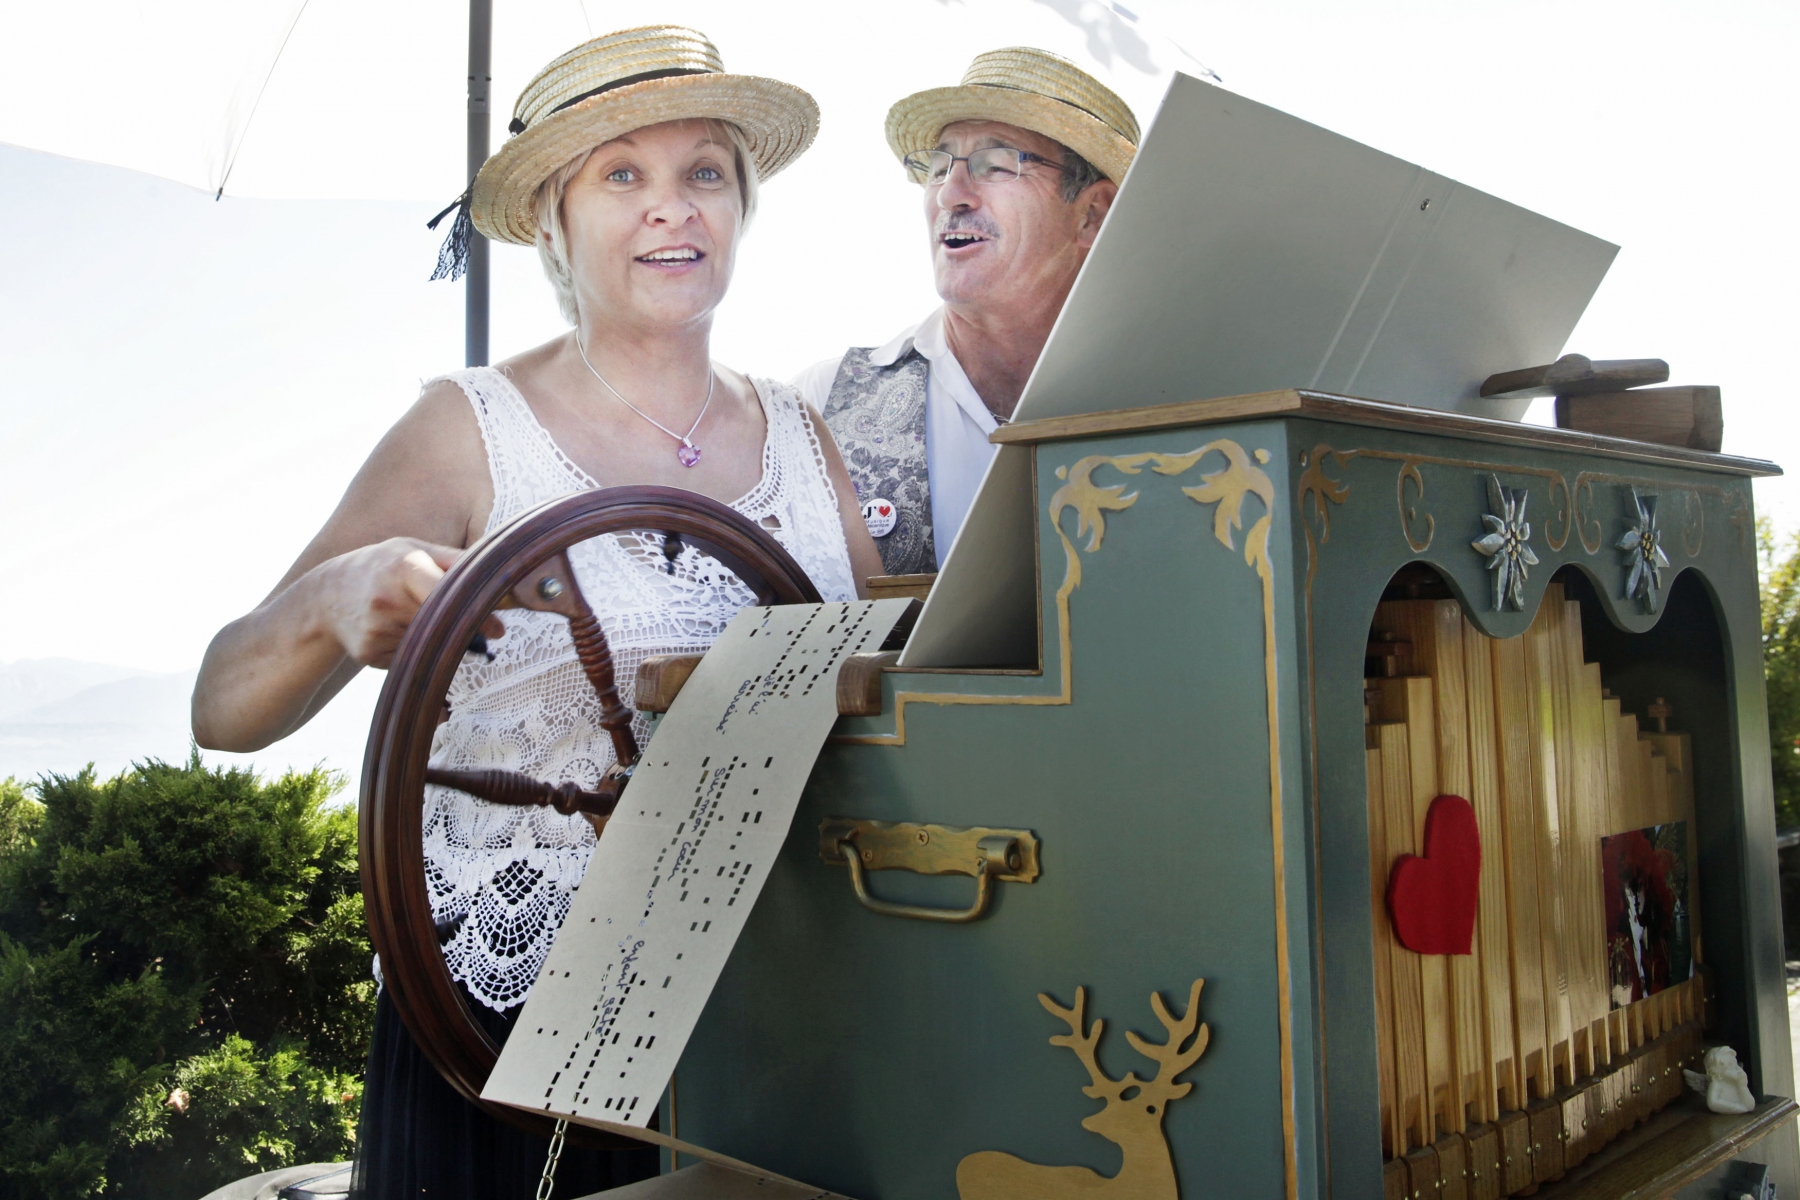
364	99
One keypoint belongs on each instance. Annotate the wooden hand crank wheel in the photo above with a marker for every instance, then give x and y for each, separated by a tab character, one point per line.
524	565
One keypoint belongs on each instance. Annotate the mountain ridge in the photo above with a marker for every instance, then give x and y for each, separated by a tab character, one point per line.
58	715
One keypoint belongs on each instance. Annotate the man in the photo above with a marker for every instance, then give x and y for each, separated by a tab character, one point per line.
1019	165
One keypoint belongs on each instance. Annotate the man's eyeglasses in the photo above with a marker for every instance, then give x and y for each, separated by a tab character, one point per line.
996	164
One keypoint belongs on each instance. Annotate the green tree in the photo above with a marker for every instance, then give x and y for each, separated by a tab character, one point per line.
1781	664
184	980
234	1111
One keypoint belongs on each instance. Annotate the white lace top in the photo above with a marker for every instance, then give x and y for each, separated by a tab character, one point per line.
503	875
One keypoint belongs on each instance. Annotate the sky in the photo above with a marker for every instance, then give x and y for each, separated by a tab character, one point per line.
188	384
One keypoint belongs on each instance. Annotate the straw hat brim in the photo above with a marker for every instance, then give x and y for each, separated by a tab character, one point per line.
779	121
914	123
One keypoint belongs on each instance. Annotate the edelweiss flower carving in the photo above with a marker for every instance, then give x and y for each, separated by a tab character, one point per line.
1507	544
1641	548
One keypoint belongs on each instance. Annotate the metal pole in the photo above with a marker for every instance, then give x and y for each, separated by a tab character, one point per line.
475	295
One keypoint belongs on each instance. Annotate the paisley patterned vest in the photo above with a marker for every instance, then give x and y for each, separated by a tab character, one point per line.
877	415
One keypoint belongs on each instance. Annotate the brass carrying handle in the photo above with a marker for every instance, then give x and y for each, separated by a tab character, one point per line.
987	854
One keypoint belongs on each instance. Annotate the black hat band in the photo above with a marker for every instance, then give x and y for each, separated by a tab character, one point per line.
517	126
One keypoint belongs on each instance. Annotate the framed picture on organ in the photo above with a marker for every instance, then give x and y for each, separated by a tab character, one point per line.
1648	939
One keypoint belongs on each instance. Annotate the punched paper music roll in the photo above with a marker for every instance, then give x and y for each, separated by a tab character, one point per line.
682	861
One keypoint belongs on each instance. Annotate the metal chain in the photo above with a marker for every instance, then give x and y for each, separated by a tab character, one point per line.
548	1183
686	439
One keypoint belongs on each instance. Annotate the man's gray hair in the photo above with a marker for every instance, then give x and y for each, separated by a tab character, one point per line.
1078	174
553	233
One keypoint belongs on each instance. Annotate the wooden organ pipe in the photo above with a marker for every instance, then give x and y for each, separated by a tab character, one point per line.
1470	1046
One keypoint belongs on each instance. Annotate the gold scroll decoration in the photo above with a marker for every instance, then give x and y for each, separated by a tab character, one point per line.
1571	503
1132	1118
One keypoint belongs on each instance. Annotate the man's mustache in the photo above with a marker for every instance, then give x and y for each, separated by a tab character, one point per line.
964	222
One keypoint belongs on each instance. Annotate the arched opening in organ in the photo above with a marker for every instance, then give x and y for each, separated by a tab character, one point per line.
1581	749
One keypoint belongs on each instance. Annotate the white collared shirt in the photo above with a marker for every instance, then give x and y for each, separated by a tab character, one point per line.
957	423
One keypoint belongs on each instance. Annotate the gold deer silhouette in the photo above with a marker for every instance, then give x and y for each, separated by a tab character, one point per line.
1132	1118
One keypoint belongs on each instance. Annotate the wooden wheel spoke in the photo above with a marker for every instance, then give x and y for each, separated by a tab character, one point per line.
551	586
512	788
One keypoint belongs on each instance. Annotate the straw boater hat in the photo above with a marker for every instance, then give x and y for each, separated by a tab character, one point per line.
1034	90
612	85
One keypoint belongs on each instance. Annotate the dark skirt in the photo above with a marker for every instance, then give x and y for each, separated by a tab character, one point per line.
418	1139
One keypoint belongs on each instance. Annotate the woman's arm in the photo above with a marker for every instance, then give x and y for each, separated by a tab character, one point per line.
422	496
865	559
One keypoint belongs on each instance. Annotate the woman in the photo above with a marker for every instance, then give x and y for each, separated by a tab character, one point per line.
633	169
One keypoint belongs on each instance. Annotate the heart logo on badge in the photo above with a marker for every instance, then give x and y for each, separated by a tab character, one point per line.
880	516
1432	898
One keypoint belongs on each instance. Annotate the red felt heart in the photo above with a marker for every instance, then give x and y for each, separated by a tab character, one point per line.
1432	899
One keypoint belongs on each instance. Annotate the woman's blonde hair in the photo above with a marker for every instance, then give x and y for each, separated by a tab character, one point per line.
553	233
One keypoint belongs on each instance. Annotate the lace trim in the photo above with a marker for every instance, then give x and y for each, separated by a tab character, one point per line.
504	874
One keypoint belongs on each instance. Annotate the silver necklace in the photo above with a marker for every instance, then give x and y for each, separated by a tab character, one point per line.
688	453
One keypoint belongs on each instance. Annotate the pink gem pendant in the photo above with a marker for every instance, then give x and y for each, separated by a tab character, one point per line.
689	454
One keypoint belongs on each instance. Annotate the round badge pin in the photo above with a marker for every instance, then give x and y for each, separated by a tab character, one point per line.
881	516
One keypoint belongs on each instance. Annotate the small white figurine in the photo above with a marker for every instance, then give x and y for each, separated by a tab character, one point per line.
1725	1086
